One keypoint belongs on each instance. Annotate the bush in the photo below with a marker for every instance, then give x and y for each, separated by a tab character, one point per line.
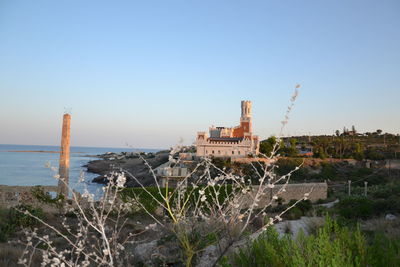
328	171
46	198
285	165
148	199
299	210
12	219
373	154
20	219
388	205
355	208
293	214
382	191
384	251
332	245
322	211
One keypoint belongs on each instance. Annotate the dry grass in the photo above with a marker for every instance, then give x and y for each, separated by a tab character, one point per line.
10	253
313	224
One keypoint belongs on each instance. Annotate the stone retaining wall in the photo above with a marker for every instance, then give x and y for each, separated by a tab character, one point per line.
11	196
295	191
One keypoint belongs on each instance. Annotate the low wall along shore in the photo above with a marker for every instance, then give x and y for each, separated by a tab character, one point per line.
11	196
297	191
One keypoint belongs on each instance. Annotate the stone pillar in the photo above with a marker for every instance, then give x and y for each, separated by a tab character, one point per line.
64	156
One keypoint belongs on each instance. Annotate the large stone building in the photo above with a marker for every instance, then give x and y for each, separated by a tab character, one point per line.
234	142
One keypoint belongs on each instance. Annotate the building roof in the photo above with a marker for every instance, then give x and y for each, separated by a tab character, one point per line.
225	139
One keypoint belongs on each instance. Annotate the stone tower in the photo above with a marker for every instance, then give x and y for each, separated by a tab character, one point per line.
246	110
245	119
64	156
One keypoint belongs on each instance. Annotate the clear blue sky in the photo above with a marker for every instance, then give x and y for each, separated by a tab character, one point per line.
149	72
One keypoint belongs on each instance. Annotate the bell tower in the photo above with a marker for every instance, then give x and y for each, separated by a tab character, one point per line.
246	111
245	119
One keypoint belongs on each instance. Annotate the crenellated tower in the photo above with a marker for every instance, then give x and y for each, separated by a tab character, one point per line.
246	110
245	119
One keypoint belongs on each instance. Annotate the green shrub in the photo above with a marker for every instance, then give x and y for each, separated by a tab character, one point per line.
384	251
304	206
12	219
332	245
285	165
18	218
328	171
299	210
388	205
322	211
383	191
149	199
46	198
355	208
6	230
293	214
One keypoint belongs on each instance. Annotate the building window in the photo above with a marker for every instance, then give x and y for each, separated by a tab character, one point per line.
213	151
206	151
233	152
219	151
238	152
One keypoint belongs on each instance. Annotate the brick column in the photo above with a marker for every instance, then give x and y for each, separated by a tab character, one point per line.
64	155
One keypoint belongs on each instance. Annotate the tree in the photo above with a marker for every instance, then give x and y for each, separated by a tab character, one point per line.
337	133
267	146
319	152
291	150
358	153
379	131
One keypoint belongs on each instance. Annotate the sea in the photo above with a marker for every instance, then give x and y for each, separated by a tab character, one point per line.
31	168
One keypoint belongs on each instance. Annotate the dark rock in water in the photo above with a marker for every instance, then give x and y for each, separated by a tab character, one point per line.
104	179
100	179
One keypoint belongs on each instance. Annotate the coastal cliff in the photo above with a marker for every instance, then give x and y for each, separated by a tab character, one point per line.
130	163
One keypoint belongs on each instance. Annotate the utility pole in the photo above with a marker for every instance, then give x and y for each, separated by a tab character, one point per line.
349	187
365	188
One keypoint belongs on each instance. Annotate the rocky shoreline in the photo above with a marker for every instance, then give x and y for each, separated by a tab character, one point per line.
129	162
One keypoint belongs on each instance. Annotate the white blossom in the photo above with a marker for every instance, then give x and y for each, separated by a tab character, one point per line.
211	183
121	180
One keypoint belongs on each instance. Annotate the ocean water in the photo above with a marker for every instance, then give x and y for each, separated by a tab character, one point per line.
29	168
